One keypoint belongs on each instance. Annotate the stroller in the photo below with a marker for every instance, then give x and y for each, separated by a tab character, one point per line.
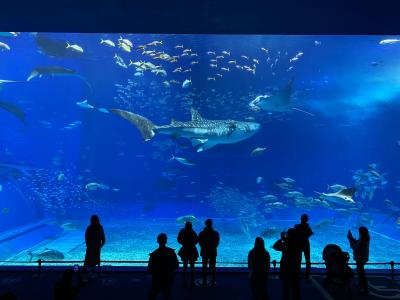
338	272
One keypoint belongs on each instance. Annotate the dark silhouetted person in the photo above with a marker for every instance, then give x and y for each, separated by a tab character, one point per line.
303	233
259	262
209	241
188	238
162	265
95	240
290	264
361	255
66	289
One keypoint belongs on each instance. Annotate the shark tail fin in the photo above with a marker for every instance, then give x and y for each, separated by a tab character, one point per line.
145	126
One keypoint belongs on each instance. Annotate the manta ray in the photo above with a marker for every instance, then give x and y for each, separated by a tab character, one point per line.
14	110
342	197
202	132
280	102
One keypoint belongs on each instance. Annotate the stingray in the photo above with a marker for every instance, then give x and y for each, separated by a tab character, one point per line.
342	197
14	110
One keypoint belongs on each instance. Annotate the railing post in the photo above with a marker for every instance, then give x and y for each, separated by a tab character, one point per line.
392	268
274	265
40	265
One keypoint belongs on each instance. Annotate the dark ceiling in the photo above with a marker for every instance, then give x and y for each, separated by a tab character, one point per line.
203	16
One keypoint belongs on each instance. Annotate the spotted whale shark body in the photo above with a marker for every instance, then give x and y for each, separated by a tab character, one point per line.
202	133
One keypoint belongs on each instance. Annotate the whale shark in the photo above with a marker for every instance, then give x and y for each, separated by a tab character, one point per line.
342	197
203	133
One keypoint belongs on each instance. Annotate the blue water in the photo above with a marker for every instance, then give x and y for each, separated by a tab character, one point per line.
347	88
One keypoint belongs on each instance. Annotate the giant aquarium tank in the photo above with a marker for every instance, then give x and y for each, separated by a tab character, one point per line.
149	131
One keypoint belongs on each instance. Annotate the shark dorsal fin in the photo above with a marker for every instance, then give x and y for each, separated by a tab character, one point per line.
195	115
348	192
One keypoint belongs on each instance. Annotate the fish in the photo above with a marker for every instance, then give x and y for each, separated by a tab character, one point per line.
85	104
342	197
258	151
270	198
188	218
183	161
336	187
1	188
271	232
103	110
293	194
155	43
4	46
317	43
120	62
94	186
321	224
108	43
75	47
5	210
60	177
14	110
186	83
68	226
47	254
54	47
259	179
288	180
202	132
125	41
124	47
284	186
277	205
389	41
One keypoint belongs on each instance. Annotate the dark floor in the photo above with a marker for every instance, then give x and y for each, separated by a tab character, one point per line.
134	285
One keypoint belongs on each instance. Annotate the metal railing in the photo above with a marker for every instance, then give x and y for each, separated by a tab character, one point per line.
114	265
